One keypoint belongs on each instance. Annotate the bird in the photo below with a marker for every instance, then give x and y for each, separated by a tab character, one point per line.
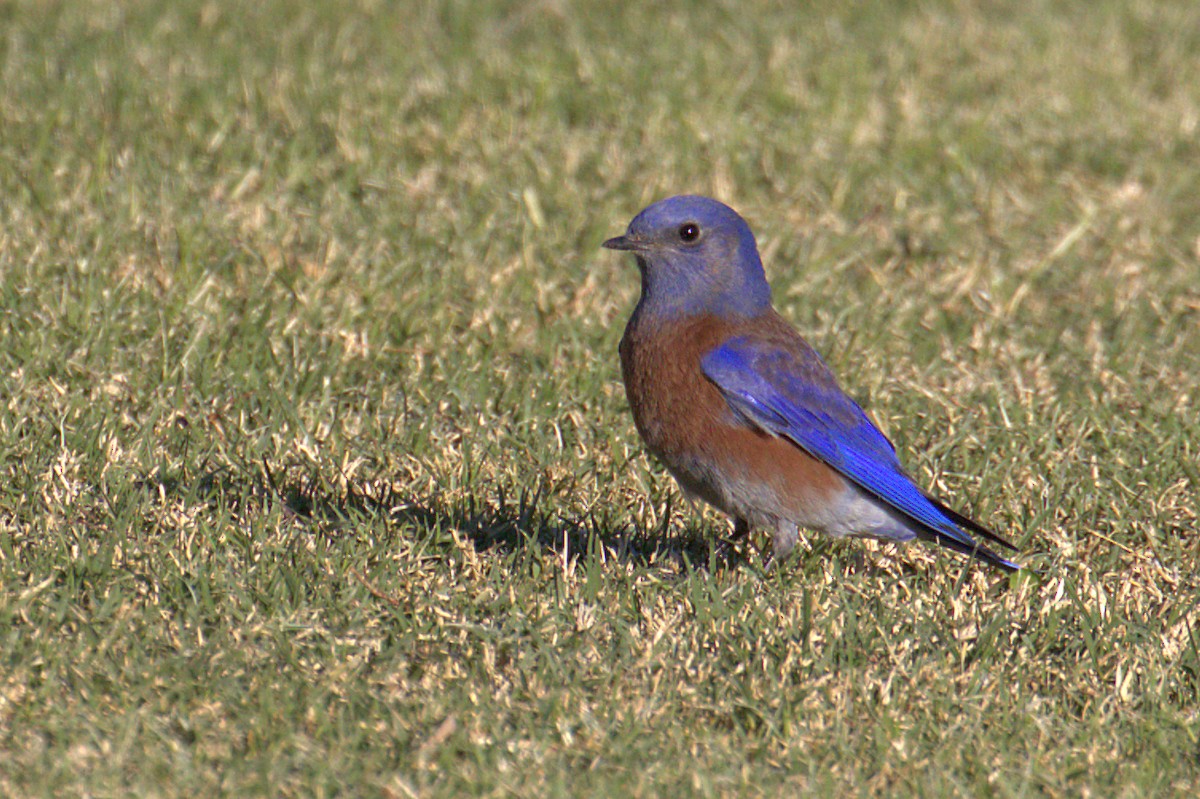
744	413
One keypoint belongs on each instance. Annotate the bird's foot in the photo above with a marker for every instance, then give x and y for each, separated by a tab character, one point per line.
727	551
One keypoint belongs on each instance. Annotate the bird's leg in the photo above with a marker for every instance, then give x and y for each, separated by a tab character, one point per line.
741	529
786	536
784	541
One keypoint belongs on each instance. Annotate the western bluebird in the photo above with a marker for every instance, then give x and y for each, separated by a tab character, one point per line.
742	411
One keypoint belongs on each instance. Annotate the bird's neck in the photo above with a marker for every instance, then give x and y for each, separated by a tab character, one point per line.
670	306
699	293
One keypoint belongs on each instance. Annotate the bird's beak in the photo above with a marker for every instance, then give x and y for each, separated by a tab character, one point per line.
622	243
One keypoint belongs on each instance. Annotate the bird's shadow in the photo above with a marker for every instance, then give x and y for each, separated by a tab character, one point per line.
501	522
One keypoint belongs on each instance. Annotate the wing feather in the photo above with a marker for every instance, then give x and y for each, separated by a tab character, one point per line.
786	389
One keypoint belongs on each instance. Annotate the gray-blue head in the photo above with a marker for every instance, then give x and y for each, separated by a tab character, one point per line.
696	256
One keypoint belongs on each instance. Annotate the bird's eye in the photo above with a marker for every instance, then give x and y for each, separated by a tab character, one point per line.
689	231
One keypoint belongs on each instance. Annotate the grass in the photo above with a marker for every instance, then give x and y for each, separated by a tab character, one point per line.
316	476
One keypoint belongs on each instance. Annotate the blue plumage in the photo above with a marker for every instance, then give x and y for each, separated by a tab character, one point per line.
762	382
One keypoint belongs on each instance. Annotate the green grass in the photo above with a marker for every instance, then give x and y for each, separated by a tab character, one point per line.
316	475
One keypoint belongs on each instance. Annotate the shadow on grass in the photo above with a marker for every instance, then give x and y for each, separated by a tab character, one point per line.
521	523
502	522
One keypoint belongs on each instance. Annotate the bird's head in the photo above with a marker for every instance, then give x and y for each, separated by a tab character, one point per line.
696	256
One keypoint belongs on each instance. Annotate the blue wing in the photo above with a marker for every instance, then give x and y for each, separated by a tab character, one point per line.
783	387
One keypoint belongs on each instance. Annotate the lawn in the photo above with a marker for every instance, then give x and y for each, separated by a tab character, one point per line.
316	474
